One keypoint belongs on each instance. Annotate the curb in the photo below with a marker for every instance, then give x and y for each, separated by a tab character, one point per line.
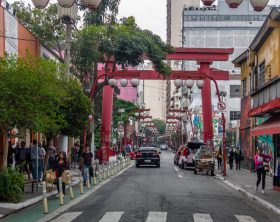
250	196
62	209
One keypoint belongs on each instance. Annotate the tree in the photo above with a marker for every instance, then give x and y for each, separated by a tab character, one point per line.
44	23
36	95
160	126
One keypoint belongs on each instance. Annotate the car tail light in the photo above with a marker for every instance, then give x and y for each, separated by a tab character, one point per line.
139	154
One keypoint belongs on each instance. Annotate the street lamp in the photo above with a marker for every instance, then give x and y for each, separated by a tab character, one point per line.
200	83
91	4
113	82
135	82
123	82
233	3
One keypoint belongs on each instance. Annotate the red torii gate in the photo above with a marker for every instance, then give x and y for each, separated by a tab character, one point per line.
204	57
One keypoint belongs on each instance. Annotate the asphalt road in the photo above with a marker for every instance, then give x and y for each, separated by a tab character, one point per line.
166	194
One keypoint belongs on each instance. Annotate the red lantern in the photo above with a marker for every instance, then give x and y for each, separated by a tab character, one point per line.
259	5
208	2
234	3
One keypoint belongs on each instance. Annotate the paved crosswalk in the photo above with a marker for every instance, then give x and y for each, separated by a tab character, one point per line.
151	217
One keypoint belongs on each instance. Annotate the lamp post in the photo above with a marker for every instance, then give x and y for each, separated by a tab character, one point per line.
68	10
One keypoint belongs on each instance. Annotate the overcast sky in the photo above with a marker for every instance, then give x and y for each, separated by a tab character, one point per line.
149	14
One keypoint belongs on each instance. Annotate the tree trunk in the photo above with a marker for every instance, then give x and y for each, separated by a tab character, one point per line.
4	147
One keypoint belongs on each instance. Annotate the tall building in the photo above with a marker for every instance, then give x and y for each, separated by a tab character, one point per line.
217	26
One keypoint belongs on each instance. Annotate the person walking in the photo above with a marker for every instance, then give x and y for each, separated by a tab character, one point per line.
260	160
231	158
52	154
60	165
34	154
88	162
238	158
22	158
74	155
219	156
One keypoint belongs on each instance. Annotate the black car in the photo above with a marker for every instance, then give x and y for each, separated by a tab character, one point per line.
147	156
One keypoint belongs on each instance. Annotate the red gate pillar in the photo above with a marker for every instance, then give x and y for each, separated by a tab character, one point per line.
206	104
107	111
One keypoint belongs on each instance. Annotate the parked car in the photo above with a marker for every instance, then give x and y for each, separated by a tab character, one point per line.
193	147
204	160
163	147
147	156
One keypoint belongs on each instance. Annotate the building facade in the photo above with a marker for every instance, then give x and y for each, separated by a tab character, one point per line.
260	76
219	26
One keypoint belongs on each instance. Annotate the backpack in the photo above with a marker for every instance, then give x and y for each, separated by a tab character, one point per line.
22	154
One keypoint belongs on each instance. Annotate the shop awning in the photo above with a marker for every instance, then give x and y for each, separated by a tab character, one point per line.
269	127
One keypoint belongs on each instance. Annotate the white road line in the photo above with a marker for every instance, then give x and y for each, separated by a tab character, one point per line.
157	217
179	175
67	217
176	169
112	217
202	218
242	218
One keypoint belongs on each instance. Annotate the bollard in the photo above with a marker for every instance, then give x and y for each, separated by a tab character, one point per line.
81	185
70	187
104	174
45	199
88	179
60	191
94	180
100	176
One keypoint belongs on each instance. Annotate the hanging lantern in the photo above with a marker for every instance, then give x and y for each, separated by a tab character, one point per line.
66	3
40	3
113	82
178	83
135	82
92	4
259	5
200	83
208	2
123	82
234	3
189	83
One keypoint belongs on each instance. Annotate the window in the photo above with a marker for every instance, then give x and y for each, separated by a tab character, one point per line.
261	76
234	115
234	91
244	87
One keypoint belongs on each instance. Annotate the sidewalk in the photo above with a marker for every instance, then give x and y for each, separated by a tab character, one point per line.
30	198
244	181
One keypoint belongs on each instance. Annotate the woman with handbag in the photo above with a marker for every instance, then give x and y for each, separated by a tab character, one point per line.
261	161
60	166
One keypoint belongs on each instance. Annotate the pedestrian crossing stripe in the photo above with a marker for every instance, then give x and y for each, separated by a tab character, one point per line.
67	217
152	217
243	218
112	216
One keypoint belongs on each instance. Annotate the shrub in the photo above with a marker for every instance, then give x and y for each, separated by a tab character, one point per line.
11	185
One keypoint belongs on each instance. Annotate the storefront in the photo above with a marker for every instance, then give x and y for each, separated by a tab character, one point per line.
268	138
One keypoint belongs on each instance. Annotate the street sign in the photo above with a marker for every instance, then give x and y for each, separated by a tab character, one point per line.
221	121
120	128
221	106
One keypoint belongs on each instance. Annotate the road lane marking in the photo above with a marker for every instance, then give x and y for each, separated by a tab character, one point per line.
157	217
112	217
1	215
179	175
242	218
176	169
202	218
67	217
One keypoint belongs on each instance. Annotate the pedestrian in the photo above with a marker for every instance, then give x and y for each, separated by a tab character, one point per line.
219	156
34	154
22	157
42	156
260	161
52	154
88	162
183	157
60	166
74	155
238	156
231	158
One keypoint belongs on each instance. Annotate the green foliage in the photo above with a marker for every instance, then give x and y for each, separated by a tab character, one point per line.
44	23
160	126
11	185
